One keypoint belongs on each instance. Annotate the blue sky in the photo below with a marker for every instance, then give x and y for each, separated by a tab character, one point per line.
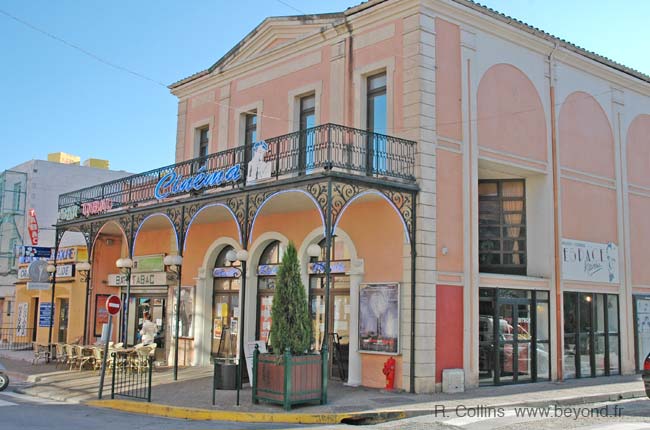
55	98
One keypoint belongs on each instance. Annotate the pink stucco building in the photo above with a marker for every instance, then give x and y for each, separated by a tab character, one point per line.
486	201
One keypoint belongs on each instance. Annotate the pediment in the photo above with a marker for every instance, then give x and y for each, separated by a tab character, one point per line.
271	34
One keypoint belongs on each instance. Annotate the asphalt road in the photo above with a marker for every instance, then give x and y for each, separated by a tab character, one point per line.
632	414
18	411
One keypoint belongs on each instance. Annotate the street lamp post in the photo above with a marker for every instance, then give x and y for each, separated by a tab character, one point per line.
51	269
175	262
84	271
242	256
125	265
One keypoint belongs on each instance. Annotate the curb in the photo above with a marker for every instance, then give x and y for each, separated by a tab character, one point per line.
251	417
355	418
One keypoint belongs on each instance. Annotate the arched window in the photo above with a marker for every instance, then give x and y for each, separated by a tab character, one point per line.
225	304
339	313
267	269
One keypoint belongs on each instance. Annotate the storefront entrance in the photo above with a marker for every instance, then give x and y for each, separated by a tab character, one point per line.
516	349
641	329
338	338
156	305
63	320
591	336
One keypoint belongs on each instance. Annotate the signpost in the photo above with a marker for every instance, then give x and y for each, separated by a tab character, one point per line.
113	305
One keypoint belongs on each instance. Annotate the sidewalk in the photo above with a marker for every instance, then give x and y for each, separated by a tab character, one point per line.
191	397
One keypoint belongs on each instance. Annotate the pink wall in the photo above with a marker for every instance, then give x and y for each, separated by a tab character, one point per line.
638	151
274	94
640	239
199	238
585	136
449	210
588	212
448	77
103	264
449	328
510	113
638	167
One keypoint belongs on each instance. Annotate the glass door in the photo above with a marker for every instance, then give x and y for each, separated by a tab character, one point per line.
63	320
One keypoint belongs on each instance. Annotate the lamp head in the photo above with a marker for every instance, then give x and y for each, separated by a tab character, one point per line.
314	250
84	266
124	263
173	260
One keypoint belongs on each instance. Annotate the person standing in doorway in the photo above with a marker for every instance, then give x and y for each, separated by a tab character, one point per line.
148	330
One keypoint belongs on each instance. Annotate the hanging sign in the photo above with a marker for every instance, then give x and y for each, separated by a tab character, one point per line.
96	207
589	261
32	226
138	279
148	263
27	254
226	272
259	168
65	271
174	183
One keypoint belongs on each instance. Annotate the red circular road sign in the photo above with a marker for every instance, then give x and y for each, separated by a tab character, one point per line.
113	305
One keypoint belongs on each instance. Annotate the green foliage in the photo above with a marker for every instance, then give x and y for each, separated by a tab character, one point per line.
290	320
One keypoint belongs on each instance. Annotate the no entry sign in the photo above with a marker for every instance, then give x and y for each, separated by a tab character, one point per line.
113	305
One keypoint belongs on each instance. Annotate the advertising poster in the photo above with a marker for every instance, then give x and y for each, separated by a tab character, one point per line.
45	314
186	326
101	314
379	318
21	325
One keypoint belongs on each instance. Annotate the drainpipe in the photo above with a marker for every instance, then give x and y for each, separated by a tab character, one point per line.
556	218
349	80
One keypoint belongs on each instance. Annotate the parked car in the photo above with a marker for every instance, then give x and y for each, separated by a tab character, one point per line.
4	378
646	375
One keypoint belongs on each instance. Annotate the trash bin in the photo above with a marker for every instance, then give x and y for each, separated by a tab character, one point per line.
225	375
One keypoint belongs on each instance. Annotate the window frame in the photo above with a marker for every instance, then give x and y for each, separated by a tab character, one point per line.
203	145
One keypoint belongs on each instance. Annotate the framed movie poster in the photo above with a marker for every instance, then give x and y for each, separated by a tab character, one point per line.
186	326
379	318
101	314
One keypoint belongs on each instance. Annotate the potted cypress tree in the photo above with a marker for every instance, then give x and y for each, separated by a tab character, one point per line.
290	375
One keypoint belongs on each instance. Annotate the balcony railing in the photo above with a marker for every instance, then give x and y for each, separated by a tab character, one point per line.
317	149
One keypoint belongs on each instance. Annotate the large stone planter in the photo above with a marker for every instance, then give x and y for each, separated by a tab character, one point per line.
287	379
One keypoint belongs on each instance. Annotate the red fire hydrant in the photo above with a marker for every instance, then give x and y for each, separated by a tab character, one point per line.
389	371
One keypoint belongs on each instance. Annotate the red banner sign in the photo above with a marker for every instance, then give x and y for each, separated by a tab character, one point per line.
32	227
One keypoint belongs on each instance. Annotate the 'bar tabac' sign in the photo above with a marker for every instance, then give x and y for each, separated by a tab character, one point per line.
589	261
138	279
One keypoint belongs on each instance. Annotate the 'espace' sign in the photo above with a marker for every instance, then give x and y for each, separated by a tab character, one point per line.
589	261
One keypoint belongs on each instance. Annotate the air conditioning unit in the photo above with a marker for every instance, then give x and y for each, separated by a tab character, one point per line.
453	381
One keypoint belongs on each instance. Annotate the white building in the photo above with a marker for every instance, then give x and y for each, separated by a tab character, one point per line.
36	185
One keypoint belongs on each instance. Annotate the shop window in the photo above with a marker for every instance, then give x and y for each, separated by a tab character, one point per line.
267	270
502	226
591	335
376	122
225	303
514	344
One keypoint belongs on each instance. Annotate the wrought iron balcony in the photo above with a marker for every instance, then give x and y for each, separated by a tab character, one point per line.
327	147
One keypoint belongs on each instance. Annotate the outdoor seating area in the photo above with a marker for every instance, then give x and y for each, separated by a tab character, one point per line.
73	356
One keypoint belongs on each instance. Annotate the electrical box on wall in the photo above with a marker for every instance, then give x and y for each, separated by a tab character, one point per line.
453	381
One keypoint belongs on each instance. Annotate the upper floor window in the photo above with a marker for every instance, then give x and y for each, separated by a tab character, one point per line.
250	133
204	140
17	192
376	122
307	121
376	108
502	226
